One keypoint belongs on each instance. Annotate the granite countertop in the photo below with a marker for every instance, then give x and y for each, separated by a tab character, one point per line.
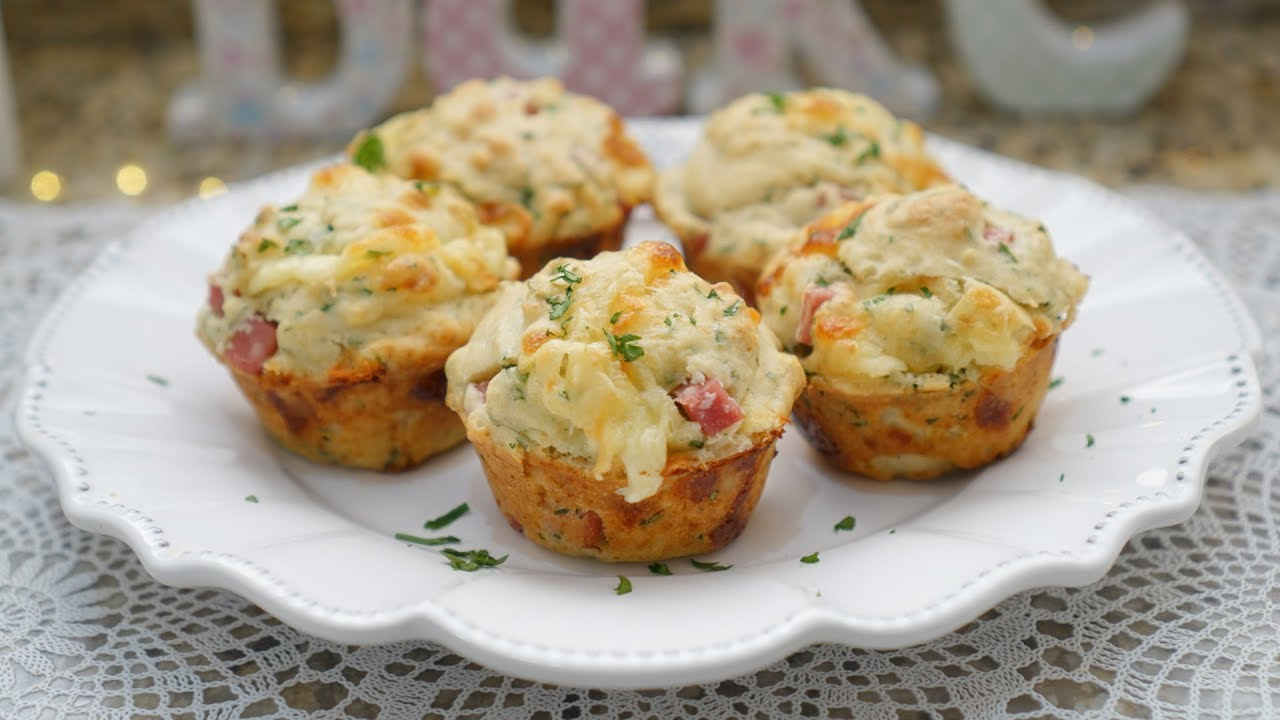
91	94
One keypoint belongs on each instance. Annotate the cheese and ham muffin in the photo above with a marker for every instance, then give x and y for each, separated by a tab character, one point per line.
769	163
557	172
335	315
927	324
624	408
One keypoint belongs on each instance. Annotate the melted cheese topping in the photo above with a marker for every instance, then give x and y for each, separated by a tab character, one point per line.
927	289
542	163
769	163
361	269
582	360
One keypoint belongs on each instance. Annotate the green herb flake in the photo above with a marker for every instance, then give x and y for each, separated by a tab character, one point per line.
430	542
158	380
872	151
892	531
926	292
251	499
266	245
651	519
290	208
447	518
659	568
564	273
782	311
327	306
778	100
375	254
287	223
1004	250
713	295
846	524
1062	476
733	309
624	586
624	346
613	319
526	198
562	511
837	138
370	154
471	560
298	246
559	305
849	229
810	559
697	444
709	566
1056	382
1088	440
1125	399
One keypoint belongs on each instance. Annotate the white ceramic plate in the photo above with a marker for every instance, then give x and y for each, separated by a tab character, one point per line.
150	442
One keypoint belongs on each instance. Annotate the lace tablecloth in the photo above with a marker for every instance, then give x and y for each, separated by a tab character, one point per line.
1187	624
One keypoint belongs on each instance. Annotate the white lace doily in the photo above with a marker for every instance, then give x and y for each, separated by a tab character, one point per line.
1187	624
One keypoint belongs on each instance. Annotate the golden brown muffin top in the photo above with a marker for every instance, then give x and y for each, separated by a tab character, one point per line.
361	269
918	290
542	163
608	359
770	162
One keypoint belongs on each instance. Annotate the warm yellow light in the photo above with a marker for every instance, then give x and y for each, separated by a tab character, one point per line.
46	186
131	179
211	186
1082	37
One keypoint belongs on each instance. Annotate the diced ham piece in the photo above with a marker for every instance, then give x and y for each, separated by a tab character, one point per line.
707	404
814	297
215	299
997	235
251	344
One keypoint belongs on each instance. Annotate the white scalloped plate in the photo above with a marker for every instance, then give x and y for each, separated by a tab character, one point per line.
167	468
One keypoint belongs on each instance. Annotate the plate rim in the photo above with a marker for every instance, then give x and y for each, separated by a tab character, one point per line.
427	621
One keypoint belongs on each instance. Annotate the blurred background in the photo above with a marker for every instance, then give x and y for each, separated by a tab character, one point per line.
92	82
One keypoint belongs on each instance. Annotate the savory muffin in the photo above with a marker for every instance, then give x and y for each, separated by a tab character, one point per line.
557	172
624	408
769	163
927	324
335	315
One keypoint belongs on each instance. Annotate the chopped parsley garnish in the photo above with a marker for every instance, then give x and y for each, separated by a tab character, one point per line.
1056	382
782	310
526	198
926	292
1125	399
624	346
872	151
564	273
447	518
810	559
709	566
652	519
697	444
837	138
327	306
374	254
445	540
1088	440
471	560
778	100
369	154
846	524
624	586
162	382
733	309
659	568
713	295
1062	476
287	223
559	305
266	245
289	208
251	499
562	511
849	229
613	319
298	246
1004	250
